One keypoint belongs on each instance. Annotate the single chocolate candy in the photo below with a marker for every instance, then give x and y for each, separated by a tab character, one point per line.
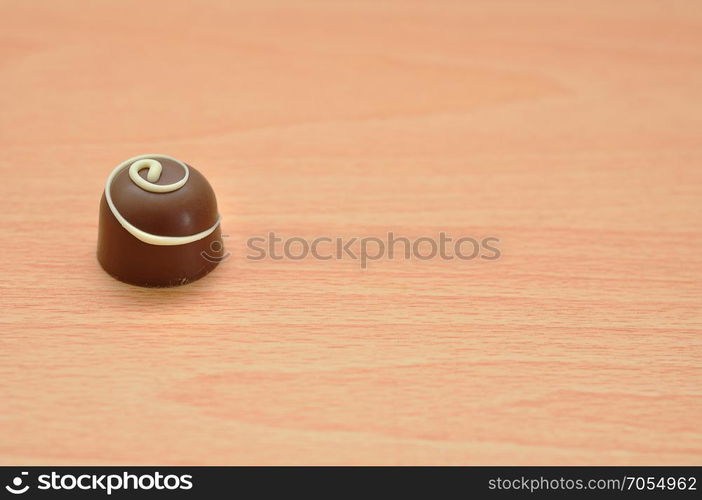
159	224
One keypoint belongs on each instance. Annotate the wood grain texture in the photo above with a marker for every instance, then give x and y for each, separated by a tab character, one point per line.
570	130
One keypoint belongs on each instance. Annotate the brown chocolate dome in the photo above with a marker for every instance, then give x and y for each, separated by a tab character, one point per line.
159	224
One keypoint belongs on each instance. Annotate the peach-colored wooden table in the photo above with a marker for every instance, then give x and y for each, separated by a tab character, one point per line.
572	131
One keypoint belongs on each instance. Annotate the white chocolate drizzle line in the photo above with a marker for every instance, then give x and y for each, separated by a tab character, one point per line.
147	161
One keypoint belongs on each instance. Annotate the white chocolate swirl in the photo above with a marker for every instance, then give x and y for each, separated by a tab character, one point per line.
154	175
149	184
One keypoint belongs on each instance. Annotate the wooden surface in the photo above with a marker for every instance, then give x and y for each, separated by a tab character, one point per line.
570	130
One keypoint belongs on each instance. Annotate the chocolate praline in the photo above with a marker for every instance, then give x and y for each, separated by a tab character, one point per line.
159	225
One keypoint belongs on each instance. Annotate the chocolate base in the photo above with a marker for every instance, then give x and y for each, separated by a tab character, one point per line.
130	260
